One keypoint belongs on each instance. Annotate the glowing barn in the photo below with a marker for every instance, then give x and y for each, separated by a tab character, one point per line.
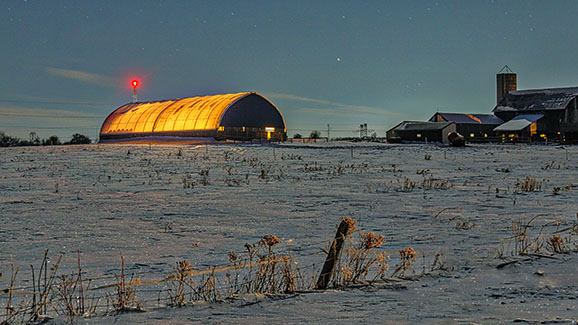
242	116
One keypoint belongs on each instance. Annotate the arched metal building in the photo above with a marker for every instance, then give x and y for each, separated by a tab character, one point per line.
242	116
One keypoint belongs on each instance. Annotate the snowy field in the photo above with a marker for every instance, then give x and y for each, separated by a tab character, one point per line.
157	205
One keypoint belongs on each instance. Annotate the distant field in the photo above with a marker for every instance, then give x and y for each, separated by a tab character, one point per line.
491	212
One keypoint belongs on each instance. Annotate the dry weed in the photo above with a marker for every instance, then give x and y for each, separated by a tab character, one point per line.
406	258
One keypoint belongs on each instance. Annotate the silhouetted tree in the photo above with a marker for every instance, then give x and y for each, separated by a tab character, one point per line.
297	136
315	134
8	141
78	138
52	141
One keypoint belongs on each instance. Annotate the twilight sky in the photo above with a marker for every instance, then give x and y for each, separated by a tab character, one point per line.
65	65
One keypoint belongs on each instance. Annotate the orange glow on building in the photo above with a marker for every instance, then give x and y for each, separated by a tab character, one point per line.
475	118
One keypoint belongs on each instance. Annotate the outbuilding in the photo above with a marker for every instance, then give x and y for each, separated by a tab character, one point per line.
241	116
474	127
421	132
521	127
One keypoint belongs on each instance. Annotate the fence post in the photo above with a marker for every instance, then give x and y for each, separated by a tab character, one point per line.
346	227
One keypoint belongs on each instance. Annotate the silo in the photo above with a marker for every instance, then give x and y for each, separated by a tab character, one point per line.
506	81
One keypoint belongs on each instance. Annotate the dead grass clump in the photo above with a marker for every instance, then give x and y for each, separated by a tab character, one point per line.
430	183
188	182
124	300
528	184
439	263
456	219
531	238
270	241
11	311
406	258
406	184
551	165
204	173
262	269
207	290
556	244
66	295
182	280
558	189
358	259
312	168
291	157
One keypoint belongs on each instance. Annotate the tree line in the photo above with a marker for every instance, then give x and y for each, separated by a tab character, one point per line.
34	140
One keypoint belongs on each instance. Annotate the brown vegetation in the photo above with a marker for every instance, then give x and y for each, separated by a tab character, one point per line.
262	268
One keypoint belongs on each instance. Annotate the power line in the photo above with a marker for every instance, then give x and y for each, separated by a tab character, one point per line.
49	127
52	102
52	116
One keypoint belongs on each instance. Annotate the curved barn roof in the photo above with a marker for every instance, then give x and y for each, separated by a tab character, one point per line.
194	113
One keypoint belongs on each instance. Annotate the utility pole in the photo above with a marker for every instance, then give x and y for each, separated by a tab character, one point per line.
363	130
328	132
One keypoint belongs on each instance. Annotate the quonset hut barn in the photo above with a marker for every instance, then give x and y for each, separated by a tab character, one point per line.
242	116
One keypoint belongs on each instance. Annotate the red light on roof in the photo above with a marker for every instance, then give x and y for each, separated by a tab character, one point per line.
134	83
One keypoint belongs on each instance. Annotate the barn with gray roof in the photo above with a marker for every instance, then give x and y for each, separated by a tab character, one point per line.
474	127
414	131
548	114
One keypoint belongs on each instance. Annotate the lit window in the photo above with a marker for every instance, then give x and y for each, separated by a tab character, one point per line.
471	135
485	135
419	135
221	128
243	129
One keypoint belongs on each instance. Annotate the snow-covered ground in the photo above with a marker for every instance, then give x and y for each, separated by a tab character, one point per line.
157	205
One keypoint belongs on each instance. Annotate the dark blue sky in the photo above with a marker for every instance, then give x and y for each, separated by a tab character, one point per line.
67	64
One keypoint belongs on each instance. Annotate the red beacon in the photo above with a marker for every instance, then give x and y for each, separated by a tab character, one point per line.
134	84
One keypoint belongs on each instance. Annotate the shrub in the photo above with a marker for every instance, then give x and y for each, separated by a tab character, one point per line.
51	141
78	138
8	141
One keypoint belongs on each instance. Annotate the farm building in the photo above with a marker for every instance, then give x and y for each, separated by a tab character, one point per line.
556	106
421	131
474	127
519	115
241	116
520	127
